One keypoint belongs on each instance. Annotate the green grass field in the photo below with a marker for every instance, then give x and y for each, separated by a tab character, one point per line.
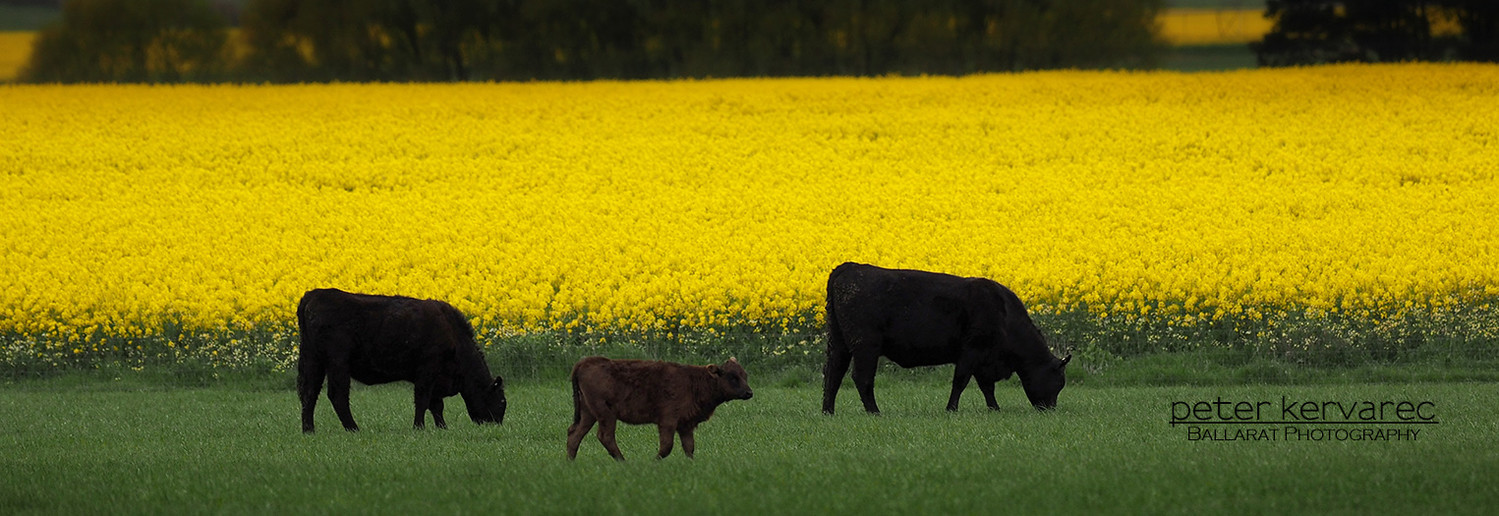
129	447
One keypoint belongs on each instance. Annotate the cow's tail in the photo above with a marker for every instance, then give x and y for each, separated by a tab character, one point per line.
302	322
838	356
835	332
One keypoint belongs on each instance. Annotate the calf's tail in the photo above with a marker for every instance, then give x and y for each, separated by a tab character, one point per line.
577	402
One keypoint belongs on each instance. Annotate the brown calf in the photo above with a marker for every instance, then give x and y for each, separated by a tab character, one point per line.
675	397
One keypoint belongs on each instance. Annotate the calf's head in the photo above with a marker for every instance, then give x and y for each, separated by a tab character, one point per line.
487	405
732	379
1044	381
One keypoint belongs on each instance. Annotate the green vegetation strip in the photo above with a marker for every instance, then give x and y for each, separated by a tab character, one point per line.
104	446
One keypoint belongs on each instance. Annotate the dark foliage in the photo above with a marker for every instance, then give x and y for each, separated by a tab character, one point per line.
1331	31
130	41
401	40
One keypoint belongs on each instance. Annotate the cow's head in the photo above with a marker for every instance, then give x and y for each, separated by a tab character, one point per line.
1044	381
732	379
488	405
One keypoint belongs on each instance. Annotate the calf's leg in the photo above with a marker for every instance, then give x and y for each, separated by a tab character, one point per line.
687	442
668	433
576	432
606	437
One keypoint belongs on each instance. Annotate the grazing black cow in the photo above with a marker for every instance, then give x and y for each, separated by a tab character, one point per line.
382	339
918	318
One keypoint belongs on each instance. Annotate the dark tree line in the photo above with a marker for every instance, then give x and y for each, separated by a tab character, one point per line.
1329	31
399	40
130	41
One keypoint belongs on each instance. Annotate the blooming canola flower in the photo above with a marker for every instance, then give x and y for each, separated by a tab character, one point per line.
670	205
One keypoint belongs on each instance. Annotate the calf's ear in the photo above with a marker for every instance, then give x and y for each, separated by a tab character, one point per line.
713	368
499	383
1065	360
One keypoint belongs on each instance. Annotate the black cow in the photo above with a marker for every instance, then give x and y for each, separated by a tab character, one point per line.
918	318
382	339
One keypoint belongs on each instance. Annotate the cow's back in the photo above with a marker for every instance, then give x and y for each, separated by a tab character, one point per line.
916	318
383	338
634	391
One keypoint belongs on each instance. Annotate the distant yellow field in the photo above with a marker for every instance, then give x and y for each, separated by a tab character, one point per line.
15	49
1213	26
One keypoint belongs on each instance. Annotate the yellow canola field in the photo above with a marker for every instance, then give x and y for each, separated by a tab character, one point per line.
127	211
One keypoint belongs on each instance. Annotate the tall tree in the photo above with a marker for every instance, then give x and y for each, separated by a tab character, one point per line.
1325	31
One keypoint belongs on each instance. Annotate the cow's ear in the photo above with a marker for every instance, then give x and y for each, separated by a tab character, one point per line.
499	383
713	368
1065	360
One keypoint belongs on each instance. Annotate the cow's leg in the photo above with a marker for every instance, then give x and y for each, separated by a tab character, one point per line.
310	372
864	365
668	432
422	399
436	407
606	437
961	374
987	386
967	367
577	431
687	442
338	393
833	371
